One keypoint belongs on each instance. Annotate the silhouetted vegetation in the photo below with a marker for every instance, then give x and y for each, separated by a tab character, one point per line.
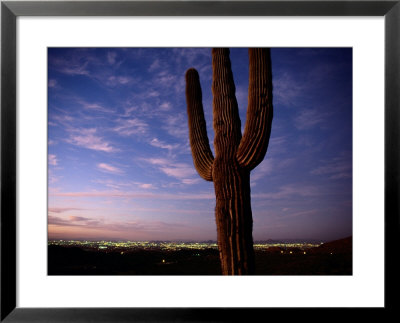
235	156
334	258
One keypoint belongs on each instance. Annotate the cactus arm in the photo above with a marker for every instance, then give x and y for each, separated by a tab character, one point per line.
254	143
202	156
225	108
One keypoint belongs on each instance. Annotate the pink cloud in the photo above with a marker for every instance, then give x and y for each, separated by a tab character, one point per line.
79	227
338	168
72	221
53	160
309	118
61	209
289	191
52	83
111	57
75	69
146	195
181	171
128	127
109	169
146	186
160	144
87	138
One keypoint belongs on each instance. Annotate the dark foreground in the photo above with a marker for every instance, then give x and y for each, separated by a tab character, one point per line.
333	258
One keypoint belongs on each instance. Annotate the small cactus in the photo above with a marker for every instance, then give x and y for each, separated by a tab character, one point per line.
235	156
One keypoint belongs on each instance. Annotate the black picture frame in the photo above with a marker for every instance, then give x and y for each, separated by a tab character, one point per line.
10	10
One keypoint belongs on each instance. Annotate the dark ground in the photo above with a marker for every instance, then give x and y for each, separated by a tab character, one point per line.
334	258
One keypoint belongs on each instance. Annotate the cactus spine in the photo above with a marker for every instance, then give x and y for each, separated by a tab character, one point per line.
235	156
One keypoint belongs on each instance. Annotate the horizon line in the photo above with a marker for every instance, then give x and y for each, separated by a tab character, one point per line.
205	240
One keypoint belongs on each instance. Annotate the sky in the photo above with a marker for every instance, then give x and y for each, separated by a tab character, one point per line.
119	159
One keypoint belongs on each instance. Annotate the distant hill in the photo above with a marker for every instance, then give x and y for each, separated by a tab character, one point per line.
341	246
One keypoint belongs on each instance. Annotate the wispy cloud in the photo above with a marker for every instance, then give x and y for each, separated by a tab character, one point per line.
124	185
241	97
52	83
136	195
72	221
165	106
277	141
146	185
129	110
109	168
173	126
287	89
103	69
88	138
111	57
52	178
304	213
78	218
191	181
118	80
160	144
338	168
53	160
309	118
290	191
94	106
181	171
129	127
263	169
154	65
62	209
61	119
72	66
192	56
137	229
269	167
165	79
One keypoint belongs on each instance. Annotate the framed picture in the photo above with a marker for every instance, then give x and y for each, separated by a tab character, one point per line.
45	43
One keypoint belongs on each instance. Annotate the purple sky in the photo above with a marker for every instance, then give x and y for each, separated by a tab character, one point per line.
120	165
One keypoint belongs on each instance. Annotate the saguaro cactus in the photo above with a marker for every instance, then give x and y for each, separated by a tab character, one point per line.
235	156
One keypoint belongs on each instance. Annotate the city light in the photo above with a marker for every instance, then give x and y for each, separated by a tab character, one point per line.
125	246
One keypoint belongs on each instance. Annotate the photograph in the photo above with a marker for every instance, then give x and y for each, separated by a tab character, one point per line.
200	161
193	161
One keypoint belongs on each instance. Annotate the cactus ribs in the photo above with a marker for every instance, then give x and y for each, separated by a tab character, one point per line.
235	156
